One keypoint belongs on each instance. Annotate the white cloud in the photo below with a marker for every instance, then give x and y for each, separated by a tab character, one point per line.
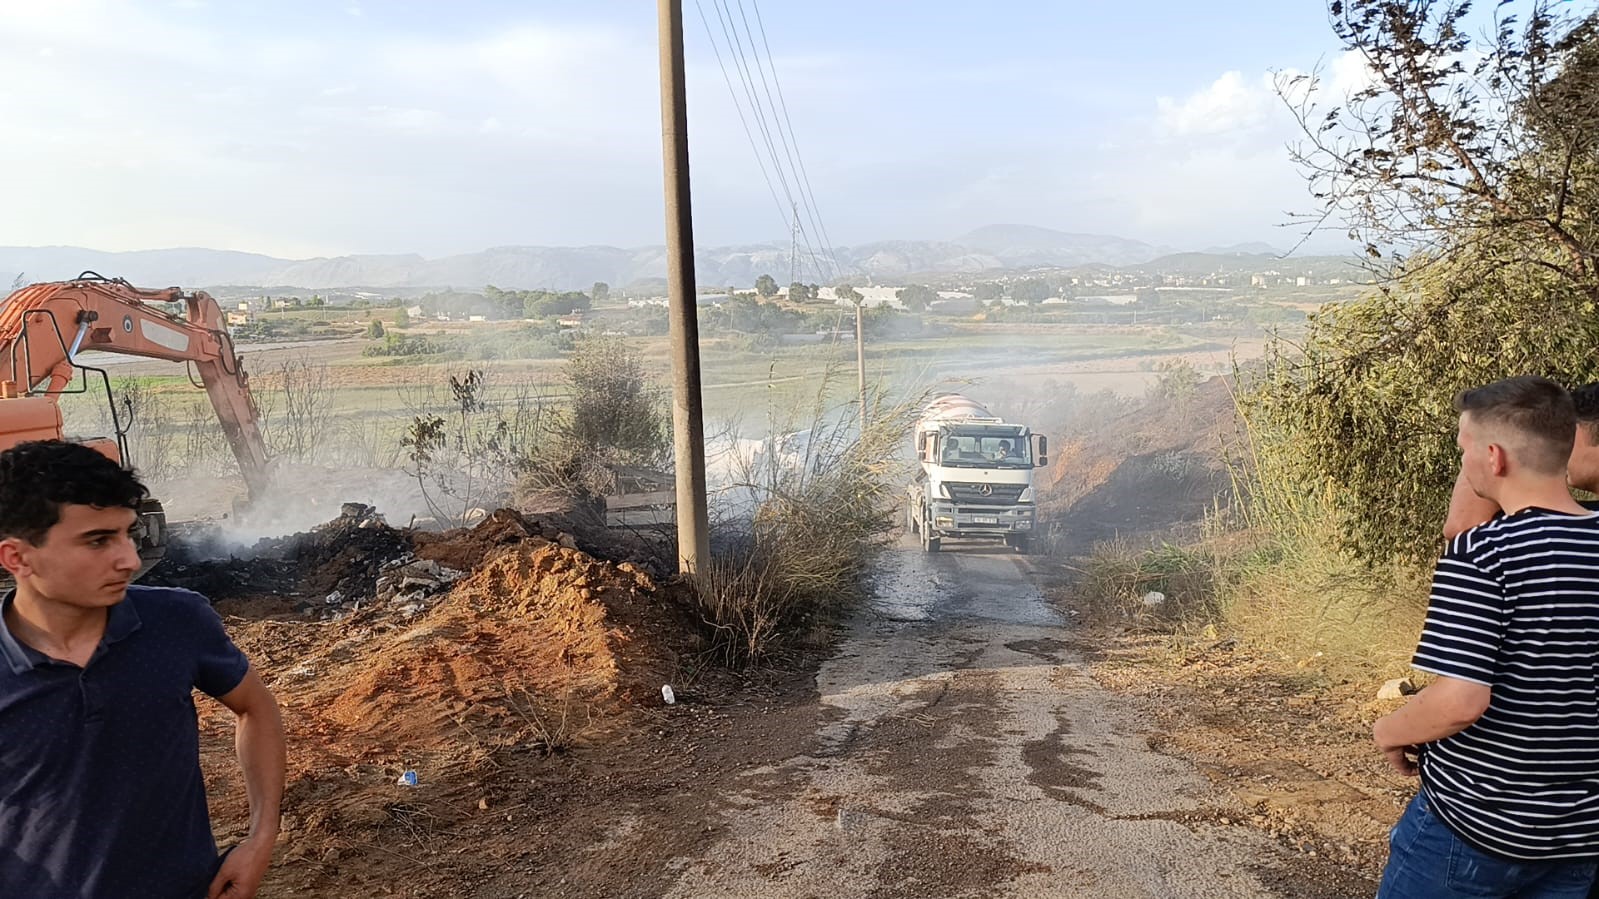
1230	103
430	143
343	138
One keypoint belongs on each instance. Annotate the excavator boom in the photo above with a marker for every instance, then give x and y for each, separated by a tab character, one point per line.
44	328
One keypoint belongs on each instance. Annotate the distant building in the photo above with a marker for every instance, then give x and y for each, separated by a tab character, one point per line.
477	318
871	297
242	317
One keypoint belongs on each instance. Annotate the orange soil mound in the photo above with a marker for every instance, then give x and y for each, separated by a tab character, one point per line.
466	548
536	627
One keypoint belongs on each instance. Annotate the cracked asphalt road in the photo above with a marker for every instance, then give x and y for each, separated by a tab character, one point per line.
962	749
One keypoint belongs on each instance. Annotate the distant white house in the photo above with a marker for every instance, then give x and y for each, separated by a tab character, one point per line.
871	297
413	311
477	318
704	299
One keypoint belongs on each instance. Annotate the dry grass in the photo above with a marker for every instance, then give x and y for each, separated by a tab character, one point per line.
787	567
1117	576
1289	597
1315	606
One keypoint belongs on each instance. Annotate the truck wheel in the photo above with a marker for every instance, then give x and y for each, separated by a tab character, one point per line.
1021	544
910	518
929	543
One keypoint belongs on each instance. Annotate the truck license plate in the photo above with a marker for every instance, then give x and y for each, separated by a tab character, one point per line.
984	519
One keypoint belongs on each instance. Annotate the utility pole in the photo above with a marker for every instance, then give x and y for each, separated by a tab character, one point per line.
688	415
860	362
793	244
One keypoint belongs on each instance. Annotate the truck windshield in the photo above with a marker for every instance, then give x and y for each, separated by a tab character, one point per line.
986	450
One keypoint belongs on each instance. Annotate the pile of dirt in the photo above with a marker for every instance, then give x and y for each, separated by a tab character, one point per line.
466	548
536	627
530	650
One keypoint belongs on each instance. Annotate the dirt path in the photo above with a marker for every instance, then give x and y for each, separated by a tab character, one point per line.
961	749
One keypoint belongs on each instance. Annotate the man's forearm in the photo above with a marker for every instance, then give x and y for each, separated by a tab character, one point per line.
262	756
1443	709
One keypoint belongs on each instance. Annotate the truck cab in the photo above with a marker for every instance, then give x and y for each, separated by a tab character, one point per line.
975	481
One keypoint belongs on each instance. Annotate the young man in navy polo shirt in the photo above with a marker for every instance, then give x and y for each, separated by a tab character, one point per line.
101	795
1506	740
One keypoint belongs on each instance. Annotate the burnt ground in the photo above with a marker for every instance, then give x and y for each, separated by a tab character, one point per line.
953	742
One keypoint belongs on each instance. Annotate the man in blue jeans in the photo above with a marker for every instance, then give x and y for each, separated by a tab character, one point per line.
101	794
1506	740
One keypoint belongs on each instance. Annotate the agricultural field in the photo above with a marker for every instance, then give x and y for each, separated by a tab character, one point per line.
334	405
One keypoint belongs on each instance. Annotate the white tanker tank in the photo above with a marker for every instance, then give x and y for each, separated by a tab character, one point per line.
975	478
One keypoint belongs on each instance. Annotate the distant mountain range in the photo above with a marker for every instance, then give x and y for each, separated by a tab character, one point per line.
993	248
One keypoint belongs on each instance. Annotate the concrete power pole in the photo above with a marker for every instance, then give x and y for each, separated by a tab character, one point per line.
793	245
688	415
860	362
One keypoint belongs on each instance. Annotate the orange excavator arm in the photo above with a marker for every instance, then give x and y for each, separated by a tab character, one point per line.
44	327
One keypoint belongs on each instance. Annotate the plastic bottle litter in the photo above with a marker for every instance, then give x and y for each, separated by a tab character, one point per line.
667	695
408	779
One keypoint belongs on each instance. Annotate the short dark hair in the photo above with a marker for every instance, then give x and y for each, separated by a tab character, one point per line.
1586	401
37	478
1537	409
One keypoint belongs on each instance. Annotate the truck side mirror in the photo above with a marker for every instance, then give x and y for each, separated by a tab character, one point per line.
1041	452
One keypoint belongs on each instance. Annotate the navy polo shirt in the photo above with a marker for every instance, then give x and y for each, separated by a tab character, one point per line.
101	795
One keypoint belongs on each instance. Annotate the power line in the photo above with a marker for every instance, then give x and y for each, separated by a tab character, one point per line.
740	110
741	64
782	103
788	149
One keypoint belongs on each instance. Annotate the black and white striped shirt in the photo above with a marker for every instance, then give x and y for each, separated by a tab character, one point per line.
1515	606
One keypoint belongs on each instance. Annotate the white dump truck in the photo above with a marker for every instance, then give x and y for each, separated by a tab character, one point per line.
976	475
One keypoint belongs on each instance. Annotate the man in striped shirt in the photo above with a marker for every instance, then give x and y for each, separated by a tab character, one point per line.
1506	740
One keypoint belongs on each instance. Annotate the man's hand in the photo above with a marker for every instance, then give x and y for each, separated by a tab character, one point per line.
241	872
1400	758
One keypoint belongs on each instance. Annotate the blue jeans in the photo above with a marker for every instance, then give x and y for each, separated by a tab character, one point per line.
1427	861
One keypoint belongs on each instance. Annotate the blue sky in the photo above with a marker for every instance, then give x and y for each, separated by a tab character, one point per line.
301	128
